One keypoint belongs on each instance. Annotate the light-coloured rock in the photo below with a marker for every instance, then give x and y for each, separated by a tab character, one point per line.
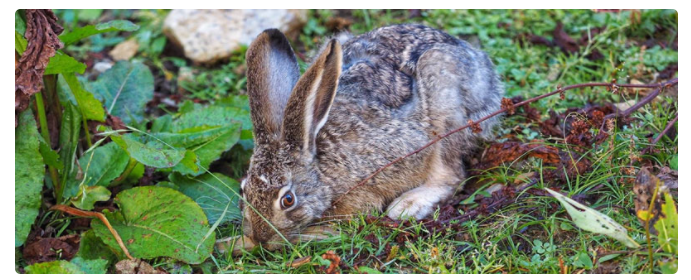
207	36
125	50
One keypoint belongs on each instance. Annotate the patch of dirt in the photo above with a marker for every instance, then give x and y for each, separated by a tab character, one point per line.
51	249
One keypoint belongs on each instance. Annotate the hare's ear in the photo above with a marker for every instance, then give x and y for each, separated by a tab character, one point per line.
272	72
310	102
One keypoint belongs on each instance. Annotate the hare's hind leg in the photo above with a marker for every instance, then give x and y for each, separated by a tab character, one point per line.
422	201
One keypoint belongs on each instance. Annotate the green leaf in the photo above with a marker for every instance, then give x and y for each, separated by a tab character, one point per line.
19	23
668	226
62	63
90	195
29	172
125	89
69	138
158	222
217	197
90	266
100	166
50	157
594	221
54	267
670	267
89	30
150	152
91	247
674	162
162	124
76	266
91	108
189	164
19	43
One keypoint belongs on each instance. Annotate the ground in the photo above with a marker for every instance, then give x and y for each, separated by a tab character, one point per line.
503	221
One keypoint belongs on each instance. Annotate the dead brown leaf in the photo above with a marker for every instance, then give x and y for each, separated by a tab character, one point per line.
643	189
300	262
42	32
51	249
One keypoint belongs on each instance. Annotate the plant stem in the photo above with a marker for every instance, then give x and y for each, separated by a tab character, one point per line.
41	108
130	166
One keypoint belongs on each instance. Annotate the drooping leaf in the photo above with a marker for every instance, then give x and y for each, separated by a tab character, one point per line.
50	157
29	172
594	221
89	195
215	193
62	63
158	222
668	225
91	108
69	138
124	90
150	152
91	247
89	30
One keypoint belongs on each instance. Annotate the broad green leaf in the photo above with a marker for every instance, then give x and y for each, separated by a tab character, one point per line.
594	221
150	152
237	101
62	63
674	162
162	124
19	43
89	30
189	164
91	108
125	89
100	166
217	197
91	247
54	267
158	222
69	138
90	195
76	266
29	172
90	266
89	14
668	225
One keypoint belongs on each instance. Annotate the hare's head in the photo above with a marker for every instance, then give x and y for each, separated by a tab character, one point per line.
282	188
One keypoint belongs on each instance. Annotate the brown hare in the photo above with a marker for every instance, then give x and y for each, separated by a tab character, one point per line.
360	105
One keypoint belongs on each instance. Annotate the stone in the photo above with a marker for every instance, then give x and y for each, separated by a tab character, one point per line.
125	50
207	36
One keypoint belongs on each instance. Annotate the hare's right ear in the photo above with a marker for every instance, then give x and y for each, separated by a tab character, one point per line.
272	72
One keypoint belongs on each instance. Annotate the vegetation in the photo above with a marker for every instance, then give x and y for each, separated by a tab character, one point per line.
153	147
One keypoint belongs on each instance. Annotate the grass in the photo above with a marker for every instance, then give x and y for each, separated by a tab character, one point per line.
532	235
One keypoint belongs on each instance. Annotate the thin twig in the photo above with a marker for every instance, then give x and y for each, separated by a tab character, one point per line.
100	216
559	90
667	128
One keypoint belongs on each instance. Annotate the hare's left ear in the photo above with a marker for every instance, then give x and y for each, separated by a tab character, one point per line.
311	99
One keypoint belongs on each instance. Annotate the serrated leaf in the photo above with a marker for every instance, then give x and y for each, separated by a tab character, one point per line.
29	172
50	157
150	152
62	63
588	219
667	226
89	30
90	195
215	193
125	89
91	108
158	222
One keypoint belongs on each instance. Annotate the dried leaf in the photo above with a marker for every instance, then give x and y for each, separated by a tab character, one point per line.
41	34
594	221
643	189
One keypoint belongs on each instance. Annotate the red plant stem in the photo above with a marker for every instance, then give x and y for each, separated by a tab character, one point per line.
667	128
647	99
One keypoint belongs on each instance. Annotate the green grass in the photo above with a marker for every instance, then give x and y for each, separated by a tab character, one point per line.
532	235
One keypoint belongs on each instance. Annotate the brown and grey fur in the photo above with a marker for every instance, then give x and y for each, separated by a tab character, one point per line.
380	96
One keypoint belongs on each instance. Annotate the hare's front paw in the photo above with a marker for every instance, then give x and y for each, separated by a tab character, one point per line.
418	202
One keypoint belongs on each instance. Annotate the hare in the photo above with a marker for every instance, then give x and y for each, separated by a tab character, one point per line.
358	106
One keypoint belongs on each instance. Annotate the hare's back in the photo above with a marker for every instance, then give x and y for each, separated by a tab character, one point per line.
379	65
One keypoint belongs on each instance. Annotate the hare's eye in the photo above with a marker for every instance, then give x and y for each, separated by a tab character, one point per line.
287	200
